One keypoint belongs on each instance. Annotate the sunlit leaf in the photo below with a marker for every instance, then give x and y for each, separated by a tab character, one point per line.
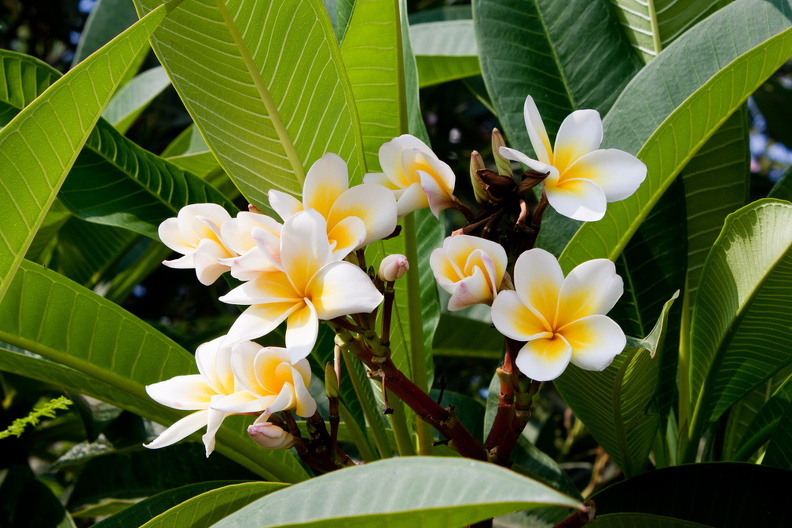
445	51
133	98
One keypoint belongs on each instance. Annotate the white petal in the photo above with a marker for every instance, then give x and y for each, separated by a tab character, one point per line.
373	204
305	404
237	233
536	132
616	172
579	134
391	158
257	321
513	319
516	155
379	178
301	331
180	430
266	288
326	180
268	367
189	392
269	244
538	279
595	341
284	204
591	288
346	236
544	359
243	358
213	423
242	402
577	199
304	247
473	289
250	265
214	364
206	260
341	288
438	196
171	236
412	199
202	220
185	262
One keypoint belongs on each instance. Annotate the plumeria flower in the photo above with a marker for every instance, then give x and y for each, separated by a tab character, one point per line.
470	268
196	392
355	216
237	234
581	179
415	174
307	285
271	436
393	267
195	233
276	384
561	319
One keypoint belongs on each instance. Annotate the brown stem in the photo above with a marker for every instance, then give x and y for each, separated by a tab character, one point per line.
387	312
444	420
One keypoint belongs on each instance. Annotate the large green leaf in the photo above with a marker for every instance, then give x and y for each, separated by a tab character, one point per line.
777	454
134	97
740	324
461	336
756	417
39	146
403	492
211	506
548	50
376	74
618	405
147	509
265	83
80	330
651	26
726	495
666	114
108	18
445	51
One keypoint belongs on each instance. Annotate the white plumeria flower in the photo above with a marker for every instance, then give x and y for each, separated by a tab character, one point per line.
237	234
271	436
308	284
470	268
195	233
581	179
196	392
393	267
276	384
415	174
561	320
355	216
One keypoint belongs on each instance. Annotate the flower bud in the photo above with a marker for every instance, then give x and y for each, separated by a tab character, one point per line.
393	267
270	436
331	381
503	165
476	164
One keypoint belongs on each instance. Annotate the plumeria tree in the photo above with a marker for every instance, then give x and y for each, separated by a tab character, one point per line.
601	249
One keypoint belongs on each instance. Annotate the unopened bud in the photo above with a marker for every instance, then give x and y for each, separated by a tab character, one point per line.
477	163
393	267
270	436
331	381
503	165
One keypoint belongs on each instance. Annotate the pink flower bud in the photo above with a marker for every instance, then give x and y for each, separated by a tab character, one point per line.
270	436
393	267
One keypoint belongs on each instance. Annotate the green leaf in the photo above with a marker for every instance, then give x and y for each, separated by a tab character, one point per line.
464	337
548	49
39	146
444	51
642	520
777	454
452	12
115	182
145	510
208	508
726	495
651	26
739	329
783	187
108	19
20	489
22	79
144	472
732	52
376	74
433	492
265	84
82	331
134	97
623	416
764	420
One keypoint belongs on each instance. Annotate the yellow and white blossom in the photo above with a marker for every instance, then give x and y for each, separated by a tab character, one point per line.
195	233
355	216
196	392
308	284
237	234
582	178
415	174
271	381
470	268
393	267
561	319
